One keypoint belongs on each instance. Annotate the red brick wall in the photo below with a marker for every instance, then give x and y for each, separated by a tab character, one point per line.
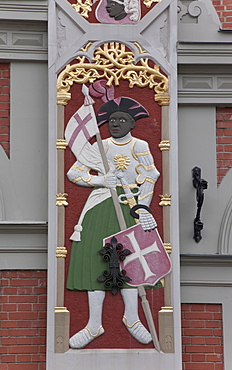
224	142
22	320
5	107
224	10
202	337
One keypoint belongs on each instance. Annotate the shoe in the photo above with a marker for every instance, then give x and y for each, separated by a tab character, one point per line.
138	331
84	337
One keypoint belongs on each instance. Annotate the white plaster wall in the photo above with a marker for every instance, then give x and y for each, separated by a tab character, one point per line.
197	147
23	179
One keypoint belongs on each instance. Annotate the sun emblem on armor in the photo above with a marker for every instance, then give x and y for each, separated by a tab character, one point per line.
121	161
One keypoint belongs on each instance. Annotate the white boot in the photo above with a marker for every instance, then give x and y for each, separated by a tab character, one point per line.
131	318
94	327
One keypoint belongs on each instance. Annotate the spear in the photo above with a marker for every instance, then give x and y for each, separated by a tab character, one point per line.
122	224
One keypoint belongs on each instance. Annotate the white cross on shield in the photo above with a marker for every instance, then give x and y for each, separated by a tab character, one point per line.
148	261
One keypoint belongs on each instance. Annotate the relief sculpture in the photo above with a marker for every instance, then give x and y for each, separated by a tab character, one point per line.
117	207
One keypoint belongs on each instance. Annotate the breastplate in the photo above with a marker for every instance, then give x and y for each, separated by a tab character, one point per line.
123	158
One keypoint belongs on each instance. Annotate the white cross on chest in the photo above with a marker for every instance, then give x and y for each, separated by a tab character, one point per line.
140	253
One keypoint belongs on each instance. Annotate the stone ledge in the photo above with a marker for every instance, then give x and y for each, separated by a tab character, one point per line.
27	227
212	260
24	9
207	53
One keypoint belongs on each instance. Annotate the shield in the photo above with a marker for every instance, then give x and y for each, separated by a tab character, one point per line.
148	261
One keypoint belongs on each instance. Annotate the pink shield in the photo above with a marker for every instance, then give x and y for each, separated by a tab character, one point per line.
149	261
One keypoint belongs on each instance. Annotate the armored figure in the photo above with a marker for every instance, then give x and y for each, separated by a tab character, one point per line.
129	158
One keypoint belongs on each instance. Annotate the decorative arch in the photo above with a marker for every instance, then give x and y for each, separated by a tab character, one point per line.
225	235
113	62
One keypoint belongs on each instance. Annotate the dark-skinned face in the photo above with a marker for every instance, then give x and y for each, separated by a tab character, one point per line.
115	10
120	124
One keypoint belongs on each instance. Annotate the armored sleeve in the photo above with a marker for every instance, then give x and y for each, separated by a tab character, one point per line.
80	175
147	173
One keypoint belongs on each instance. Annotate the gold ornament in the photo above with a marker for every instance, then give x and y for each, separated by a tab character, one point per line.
87	46
130	201
61	309
165	200
168	247
121	144
113	62
63	97
83	7
86	175
121	161
162	98
61	252
149	3
164	145
166	309
61	199
61	144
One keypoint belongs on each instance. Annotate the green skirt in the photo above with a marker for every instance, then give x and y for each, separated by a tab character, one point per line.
86	264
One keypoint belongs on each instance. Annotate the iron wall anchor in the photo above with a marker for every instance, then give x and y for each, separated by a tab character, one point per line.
200	185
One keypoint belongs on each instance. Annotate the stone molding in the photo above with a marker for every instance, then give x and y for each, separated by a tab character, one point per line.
192	53
23	245
206	270
213	260
38	227
24	9
23	40
196	85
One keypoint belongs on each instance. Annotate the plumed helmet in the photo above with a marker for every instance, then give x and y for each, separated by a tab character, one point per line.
99	89
122	104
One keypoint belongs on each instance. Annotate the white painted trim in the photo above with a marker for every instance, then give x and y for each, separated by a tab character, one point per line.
24	9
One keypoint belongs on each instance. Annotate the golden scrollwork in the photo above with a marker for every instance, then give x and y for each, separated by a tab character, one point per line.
164	145
168	247
61	199
140	49
113	62
61	144
83	7
61	252
86	47
165	200
149	3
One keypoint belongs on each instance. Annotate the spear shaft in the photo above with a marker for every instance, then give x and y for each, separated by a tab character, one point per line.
122	225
